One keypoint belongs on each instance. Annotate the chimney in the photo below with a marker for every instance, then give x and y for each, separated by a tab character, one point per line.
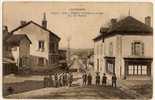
5	29
22	22
5	32
113	21
44	21
148	20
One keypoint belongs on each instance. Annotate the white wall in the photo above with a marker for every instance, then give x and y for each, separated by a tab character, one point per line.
15	54
122	48
99	54
107	41
35	34
126	45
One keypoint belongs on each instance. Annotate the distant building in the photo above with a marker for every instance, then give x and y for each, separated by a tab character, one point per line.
44	44
62	54
62	58
125	48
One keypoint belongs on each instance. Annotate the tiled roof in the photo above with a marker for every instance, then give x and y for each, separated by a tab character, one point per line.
15	39
22	26
129	26
103	30
99	37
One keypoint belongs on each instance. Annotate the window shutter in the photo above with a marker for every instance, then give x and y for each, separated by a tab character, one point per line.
142	48
132	48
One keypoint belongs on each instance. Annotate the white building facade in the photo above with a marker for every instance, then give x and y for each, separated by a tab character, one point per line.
44	48
127	49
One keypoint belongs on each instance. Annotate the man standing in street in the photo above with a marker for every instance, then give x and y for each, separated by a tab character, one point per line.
84	77
104	79
70	79
97	79
50	80
114	79
56	80
65	79
89	79
45	81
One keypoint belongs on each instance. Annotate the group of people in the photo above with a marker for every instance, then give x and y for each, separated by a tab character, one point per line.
87	79
58	80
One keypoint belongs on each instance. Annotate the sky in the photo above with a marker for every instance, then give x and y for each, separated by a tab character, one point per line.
81	26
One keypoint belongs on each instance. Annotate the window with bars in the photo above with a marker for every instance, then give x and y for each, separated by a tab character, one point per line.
137	48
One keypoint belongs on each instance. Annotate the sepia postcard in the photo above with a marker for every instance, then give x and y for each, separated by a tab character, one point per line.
77	50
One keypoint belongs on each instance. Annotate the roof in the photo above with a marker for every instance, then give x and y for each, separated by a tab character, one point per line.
129	25
7	60
99	37
103	31
22	26
16	38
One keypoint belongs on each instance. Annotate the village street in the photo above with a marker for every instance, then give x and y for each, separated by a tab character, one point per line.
78	91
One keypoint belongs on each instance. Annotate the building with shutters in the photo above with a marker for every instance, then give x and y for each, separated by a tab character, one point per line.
44	44
125	48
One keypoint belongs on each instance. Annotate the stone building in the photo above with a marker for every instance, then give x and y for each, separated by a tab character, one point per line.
20	49
6	49
125	48
9	65
44	44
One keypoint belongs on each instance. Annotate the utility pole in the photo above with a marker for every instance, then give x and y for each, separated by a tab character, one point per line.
68	51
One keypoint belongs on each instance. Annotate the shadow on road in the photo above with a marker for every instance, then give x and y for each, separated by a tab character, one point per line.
19	87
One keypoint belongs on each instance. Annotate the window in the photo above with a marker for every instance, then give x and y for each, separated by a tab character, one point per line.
110	49
40	61
110	68
52	47
144	70
138	48
50	59
130	69
41	45
55	47
137	70
53	59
